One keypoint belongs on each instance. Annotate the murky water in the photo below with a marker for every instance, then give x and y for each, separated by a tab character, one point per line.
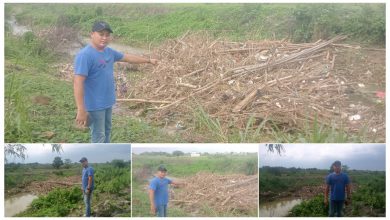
17	204
278	208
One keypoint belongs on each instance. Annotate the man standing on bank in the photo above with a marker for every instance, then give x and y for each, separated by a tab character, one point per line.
94	85
88	185
338	183
159	193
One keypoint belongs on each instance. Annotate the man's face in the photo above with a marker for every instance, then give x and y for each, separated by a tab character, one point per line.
161	174
337	168
84	163
100	39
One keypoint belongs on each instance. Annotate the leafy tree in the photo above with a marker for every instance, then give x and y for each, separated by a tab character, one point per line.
67	163
57	162
177	153
275	147
345	168
19	150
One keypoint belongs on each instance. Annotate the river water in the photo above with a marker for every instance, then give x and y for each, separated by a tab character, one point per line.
278	208
16	204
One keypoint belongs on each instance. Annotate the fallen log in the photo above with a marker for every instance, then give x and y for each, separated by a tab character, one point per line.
194	72
187	85
242	183
182	201
249	98
62	183
289	58
145	101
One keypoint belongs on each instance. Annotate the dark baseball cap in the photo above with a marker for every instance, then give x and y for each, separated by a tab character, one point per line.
162	168
336	163
101	25
83	159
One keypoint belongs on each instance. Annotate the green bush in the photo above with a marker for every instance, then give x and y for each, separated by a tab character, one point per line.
311	208
57	203
59	173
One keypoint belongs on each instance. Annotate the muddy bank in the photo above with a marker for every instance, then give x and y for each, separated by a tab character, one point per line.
43	187
304	192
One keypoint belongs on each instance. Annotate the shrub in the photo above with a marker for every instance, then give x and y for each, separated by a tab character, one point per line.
57	203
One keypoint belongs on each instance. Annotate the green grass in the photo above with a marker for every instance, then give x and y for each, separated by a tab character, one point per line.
316	132
266	130
141	24
181	167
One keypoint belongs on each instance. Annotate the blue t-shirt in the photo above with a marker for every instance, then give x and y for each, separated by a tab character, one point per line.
337	185
87	171
160	187
98	68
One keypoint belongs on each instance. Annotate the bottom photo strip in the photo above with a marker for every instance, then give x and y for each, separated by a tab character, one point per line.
194	180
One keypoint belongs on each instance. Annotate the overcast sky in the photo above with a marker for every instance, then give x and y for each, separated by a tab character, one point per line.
202	148
356	156
96	153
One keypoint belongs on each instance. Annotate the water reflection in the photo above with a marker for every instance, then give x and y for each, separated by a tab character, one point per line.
278	208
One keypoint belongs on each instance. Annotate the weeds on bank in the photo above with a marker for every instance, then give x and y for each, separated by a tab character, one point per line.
255	132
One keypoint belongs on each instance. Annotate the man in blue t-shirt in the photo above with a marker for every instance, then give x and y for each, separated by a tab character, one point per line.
338	183
88	185
94	85
159	193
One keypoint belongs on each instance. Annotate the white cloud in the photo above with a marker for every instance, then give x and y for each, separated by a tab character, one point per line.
321	155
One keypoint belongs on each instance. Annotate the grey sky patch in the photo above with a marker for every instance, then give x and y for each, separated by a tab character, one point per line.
356	156
96	153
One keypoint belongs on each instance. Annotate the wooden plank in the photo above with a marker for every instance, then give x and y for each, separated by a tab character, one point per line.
145	101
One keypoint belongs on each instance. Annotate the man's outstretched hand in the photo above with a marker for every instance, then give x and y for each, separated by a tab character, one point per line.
154	61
